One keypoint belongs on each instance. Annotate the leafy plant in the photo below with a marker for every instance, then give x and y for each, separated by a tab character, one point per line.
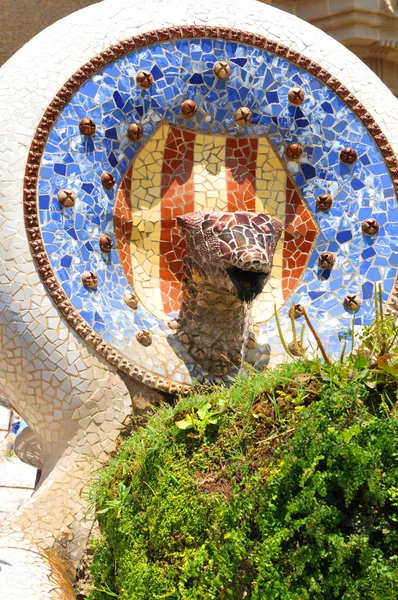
287	490
201	417
117	504
373	356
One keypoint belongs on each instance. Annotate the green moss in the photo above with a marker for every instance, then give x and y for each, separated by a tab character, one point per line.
292	494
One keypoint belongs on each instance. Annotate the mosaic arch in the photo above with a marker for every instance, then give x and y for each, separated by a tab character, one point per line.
177	164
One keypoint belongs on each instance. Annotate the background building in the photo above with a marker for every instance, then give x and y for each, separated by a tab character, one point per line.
23	19
369	28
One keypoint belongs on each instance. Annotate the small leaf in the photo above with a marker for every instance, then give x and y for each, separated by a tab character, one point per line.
361	362
103	511
184	424
122	488
203	410
371	384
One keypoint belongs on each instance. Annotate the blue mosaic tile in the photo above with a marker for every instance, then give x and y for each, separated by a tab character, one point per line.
183	69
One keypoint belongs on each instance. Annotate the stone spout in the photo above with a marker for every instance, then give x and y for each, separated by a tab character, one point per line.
228	262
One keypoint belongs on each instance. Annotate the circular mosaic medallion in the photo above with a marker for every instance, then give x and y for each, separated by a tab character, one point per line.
267	131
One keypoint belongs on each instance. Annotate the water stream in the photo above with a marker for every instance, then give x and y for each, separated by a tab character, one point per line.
245	334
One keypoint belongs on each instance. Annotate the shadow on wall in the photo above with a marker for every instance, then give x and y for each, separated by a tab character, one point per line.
26	18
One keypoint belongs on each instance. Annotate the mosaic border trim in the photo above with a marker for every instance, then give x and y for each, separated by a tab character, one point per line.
62	98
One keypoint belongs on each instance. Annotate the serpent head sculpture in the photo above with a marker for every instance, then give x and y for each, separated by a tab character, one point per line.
228	262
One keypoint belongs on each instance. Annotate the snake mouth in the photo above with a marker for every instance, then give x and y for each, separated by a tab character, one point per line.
248	284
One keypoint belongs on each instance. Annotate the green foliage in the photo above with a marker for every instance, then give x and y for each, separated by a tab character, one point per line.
373	355
201	417
116	505
283	487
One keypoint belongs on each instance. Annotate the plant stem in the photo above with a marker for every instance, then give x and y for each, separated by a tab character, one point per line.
277	435
302	337
343	352
316	336
381	305
376	301
280	333
296	343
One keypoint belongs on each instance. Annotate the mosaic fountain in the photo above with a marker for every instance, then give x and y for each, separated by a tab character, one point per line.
162	179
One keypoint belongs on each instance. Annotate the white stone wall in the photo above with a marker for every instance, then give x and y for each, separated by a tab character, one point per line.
4	422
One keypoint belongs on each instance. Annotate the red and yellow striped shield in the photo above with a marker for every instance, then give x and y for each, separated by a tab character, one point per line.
178	172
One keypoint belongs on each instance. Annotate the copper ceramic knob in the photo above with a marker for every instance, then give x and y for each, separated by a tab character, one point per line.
221	69
107	180
174	324
243	116
144	79
298	311
66	198
89	280
144	337
131	300
326	260
296	348
348	155
135	132
324	202
294	151
295	95
105	243
352	302
87	126
189	108
370	227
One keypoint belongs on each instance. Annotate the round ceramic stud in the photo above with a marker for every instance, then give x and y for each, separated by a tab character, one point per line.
294	151
348	155
295	96
352	302
89	280
222	69
144	79
326	260
135	132
370	227
66	198
243	116
324	202
296	348
144	337
131	300
107	180
189	108
87	126
105	243
174	324
298	311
